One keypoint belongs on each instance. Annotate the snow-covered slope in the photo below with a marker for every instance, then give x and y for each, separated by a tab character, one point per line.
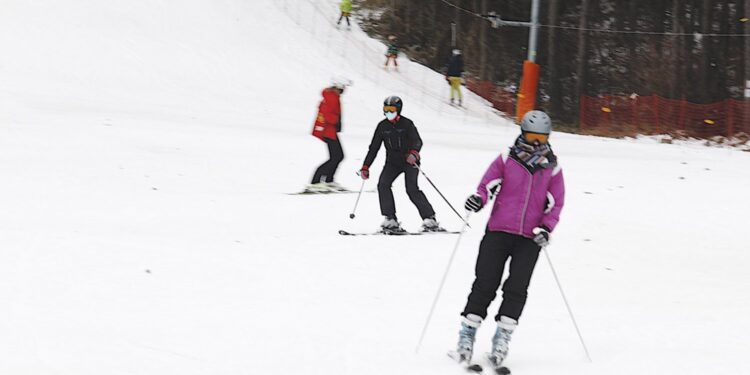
145	151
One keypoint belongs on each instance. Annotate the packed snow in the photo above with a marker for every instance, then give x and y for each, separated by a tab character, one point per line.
147	153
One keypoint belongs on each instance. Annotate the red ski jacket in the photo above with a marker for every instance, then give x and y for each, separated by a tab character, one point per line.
328	121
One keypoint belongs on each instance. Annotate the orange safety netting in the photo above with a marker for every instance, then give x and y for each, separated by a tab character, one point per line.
500	99
657	115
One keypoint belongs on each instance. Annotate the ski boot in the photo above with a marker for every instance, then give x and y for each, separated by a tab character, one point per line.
391	226
431	225
501	340
466	335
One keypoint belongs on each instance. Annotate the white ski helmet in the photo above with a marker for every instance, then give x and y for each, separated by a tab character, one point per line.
456	52
340	82
536	122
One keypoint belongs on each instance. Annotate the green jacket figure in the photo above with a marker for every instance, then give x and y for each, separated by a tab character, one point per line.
346	10
392	53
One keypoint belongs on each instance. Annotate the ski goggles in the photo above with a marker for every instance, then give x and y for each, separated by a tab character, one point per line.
390	108
536	137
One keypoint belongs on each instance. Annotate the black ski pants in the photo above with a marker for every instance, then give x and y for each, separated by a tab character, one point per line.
494	251
385	194
335	156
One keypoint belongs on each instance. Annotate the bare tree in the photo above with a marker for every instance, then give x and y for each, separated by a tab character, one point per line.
678	10
483	74
457	20
555	87
705	60
582	48
746	62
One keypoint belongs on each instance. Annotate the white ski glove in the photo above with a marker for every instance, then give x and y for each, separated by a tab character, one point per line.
541	236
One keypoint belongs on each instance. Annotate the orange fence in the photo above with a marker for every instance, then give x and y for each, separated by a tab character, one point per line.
500	99
657	115
631	115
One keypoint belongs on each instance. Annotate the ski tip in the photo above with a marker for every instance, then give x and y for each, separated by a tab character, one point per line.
344	233
475	368
455	356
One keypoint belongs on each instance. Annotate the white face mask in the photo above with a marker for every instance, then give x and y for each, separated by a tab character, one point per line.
390	115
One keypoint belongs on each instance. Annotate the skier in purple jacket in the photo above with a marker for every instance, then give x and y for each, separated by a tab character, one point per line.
530	195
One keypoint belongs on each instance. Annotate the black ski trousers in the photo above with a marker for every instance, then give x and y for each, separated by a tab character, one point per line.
494	251
385	194
335	156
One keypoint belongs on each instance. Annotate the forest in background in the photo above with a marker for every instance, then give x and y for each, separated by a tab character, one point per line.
693	50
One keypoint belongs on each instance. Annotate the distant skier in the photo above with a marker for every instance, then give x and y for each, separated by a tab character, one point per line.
454	75
346	10
527	209
326	128
402	146
392	52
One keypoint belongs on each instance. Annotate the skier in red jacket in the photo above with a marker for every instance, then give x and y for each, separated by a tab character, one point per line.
326	128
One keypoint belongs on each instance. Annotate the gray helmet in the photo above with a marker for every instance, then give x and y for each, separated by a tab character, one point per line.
536	122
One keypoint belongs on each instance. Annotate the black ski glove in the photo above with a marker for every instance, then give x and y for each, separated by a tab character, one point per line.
541	236
474	203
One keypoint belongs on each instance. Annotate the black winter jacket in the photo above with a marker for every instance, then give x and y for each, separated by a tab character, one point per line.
455	66
399	138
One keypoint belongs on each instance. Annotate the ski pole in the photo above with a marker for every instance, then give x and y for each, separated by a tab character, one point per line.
570	312
442	282
441	195
351	215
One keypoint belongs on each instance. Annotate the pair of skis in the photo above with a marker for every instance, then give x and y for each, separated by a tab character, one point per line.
475	367
308	192
389	233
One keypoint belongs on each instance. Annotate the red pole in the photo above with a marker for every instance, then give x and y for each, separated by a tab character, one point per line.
527	92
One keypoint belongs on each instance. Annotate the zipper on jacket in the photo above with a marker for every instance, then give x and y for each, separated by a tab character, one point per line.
526	204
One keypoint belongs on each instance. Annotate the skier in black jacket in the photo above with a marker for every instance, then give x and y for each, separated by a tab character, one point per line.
402	146
454	75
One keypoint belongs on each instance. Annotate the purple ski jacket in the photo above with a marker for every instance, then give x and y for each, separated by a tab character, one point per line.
521	205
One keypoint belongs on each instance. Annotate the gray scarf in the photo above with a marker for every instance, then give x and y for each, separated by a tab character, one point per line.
533	156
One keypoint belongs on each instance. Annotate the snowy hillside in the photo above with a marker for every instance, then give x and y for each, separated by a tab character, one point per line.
146	153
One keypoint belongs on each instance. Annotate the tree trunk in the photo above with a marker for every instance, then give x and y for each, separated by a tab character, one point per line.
483	72
457	20
407	18
719	79
555	86
704	69
582	58
675	87
746	63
